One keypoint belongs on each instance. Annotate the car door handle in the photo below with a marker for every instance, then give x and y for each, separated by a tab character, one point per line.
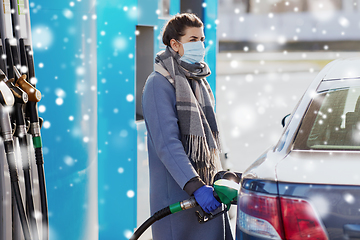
352	231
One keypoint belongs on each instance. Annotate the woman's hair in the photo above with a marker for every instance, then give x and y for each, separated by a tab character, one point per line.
176	26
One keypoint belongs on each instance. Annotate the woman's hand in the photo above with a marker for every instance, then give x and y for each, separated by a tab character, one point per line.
205	198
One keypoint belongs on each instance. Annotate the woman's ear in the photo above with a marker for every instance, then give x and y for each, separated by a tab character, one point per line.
174	45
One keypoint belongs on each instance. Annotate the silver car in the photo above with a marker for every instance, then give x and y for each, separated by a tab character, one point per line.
307	186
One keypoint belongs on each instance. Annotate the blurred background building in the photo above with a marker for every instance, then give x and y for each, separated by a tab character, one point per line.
289	24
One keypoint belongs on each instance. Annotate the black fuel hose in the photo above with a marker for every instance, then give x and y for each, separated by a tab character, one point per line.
21	134
36	134
173	208
9	59
6	134
157	216
10	155
191	202
24	223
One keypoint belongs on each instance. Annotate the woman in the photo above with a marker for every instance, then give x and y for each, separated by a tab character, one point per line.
183	148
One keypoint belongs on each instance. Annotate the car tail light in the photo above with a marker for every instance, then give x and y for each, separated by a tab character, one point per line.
261	215
300	220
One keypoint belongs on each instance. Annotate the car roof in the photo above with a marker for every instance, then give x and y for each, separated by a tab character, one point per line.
330	77
344	68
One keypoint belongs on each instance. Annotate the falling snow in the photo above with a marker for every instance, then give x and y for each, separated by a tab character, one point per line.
349	198
68	13
46	124
59	101
257	84
130	194
69	161
42	108
130	98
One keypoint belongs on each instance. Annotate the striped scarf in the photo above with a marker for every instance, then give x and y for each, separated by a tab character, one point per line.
195	106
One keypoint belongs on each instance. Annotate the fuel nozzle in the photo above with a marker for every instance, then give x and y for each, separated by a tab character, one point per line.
227	191
226	187
6	96
3	77
20	95
34	95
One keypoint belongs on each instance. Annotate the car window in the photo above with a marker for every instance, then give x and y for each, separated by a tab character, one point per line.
331	122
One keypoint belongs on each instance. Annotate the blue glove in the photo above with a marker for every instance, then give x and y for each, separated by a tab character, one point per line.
205	198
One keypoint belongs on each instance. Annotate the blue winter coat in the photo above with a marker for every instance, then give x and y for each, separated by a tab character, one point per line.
170	168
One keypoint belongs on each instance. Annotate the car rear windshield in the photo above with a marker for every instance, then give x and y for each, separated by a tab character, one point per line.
331	122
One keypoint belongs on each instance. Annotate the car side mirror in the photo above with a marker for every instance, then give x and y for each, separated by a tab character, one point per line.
283	121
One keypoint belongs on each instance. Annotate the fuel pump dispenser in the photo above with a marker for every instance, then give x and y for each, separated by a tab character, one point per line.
17	80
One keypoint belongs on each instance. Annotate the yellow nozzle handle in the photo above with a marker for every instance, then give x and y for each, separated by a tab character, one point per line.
33	94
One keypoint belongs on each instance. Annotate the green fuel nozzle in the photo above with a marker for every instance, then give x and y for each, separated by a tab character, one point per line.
227	191
226	186
183	205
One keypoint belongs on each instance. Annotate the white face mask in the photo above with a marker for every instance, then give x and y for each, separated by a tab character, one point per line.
193	52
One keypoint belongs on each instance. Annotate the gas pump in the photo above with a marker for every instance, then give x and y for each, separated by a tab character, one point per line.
22	120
